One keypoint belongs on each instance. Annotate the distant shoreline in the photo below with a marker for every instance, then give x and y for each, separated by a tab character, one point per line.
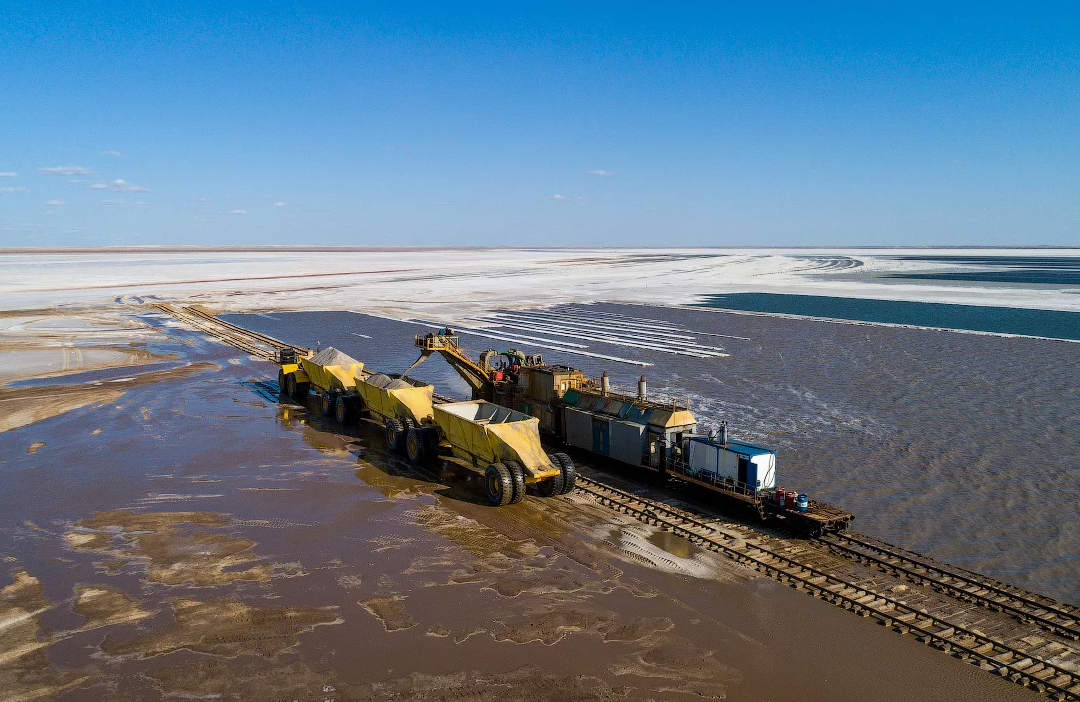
7	250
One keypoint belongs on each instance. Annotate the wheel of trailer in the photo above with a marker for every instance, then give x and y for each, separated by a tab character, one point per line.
343	413
290	385
431	441
498	485
415	446
301	391
395	435
281	381
517	474
549	487
569	473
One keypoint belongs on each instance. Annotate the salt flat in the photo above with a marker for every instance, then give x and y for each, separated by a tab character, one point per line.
404	283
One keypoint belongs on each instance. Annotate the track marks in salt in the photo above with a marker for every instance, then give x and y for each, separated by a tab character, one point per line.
573	331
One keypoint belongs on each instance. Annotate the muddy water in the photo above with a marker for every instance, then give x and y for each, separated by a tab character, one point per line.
962	446
210	542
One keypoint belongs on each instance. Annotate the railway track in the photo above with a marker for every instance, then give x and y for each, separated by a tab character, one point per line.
1029	661
1026	607
254	343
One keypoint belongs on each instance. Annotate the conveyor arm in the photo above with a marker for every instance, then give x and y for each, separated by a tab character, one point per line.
478	379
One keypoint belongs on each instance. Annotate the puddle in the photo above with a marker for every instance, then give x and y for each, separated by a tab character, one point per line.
673	544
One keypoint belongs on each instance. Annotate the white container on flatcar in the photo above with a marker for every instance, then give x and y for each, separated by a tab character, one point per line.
711	461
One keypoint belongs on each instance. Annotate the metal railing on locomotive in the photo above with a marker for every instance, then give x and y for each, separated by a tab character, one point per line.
680	466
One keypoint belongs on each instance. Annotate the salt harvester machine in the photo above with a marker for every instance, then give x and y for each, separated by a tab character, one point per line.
633	430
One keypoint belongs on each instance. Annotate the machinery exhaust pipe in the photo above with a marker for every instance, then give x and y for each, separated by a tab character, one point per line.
641	388
605	384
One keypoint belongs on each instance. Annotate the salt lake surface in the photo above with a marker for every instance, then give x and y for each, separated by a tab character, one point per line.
964	447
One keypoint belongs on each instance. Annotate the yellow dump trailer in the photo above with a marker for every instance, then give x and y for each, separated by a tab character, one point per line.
396	398
508	442
399	404
330	373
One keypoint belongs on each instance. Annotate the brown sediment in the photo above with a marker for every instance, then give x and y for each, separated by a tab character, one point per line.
234	680
349	581
210	678
549	625
528	684
35	447
390	611
683	666
170	555
22	406
439	631
103	606
25	671
537	565
465	634
225	627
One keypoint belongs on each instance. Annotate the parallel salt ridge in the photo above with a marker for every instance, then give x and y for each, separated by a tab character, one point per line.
570	318
619	341
636	342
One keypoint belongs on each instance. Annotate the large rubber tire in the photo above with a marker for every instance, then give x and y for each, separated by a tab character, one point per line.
549	487
517	473
281	381
431	441
290	385
302	392
395	435
416	446
569	473
326	403
498	485
343	410
408	423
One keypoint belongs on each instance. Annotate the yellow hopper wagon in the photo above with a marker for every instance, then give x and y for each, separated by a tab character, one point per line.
505	441
399	404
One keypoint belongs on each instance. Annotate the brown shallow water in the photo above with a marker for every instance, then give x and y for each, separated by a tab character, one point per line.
194	538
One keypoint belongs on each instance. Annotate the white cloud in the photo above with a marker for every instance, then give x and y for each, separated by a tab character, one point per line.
557	196
65	170
8	174
111	153
238	212
600	173
279	203
54	203
120	186
13	190
119	203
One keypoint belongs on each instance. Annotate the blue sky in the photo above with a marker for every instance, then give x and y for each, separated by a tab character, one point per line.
571	124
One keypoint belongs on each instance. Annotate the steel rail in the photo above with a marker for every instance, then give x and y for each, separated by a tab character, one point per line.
957	640
1029	609
239	341
254	343
264	338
